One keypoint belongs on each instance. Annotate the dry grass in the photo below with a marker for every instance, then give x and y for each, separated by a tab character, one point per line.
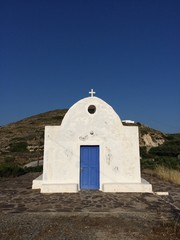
165	174
168	174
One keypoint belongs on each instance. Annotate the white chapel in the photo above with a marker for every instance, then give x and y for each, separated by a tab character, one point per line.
91	150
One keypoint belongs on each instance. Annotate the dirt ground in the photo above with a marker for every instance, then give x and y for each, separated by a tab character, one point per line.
27	214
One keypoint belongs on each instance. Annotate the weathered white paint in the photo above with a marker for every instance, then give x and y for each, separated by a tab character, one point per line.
144	186
37	183
119	150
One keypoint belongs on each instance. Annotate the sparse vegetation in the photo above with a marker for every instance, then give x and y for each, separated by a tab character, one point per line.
164	159
167	168
170	175
9	159
13	170
167	174
153	163
57	117
8	169
171	147
23	140
144	153
18	147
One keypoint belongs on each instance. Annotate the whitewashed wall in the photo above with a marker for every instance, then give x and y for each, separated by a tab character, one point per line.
119	145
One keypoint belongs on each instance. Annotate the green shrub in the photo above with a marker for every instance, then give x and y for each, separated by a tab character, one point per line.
148	163
144	153
9	159
168	162
171	147
57	117
33	169
18	147
170	137
10	169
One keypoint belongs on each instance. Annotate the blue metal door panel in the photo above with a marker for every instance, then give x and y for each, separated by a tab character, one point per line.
89	167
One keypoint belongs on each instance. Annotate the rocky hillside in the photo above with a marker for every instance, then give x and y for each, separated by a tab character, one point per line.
149	137
23	141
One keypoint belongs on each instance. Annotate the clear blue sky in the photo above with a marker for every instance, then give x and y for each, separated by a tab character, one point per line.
53	52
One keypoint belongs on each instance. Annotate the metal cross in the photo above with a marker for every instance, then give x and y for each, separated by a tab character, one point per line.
92	93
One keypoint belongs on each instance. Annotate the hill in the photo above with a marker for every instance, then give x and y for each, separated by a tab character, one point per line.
23	141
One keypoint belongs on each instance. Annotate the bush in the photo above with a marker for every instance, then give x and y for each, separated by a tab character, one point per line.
168	162
144	153
33	169
9	159
169	148
9	169
57	117
165	150
148	163
18	147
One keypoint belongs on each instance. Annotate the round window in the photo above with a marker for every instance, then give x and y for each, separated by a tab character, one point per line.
91	109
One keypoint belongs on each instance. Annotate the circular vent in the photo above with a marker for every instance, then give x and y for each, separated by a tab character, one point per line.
91	109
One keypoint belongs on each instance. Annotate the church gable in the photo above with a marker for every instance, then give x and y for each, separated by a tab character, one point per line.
91	116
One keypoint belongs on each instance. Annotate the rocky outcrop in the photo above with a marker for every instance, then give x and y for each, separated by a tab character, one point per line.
150	137
149	141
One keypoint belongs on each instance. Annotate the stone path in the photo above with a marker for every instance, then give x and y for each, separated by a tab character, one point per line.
28	214
16	196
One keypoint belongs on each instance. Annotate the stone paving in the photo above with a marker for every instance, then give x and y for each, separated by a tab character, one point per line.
16	196
91	215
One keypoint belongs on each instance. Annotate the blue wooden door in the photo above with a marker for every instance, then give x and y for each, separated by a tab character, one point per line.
89	167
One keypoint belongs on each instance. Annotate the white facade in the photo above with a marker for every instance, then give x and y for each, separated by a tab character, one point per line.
119	160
